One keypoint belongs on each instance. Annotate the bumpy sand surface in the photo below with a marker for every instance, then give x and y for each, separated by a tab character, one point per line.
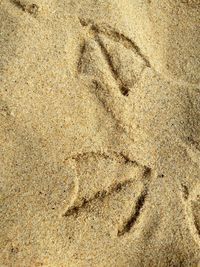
100	133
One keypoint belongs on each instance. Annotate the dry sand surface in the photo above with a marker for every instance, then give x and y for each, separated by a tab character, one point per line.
100	133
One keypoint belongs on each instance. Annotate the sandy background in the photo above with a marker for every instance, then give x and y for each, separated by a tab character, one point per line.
99	133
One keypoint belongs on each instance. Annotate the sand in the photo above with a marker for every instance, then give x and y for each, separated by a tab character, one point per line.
100	133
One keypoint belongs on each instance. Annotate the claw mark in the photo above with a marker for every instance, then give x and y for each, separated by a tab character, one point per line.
80	62
74	210
134	217
147	174
128	225
107	57
107	155
32	9
123	88
83	22
195	207
18	4
185	191
127	159
196	223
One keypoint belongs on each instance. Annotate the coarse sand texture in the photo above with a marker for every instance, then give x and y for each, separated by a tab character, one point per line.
100	133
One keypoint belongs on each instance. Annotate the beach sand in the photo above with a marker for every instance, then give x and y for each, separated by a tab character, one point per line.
99	133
